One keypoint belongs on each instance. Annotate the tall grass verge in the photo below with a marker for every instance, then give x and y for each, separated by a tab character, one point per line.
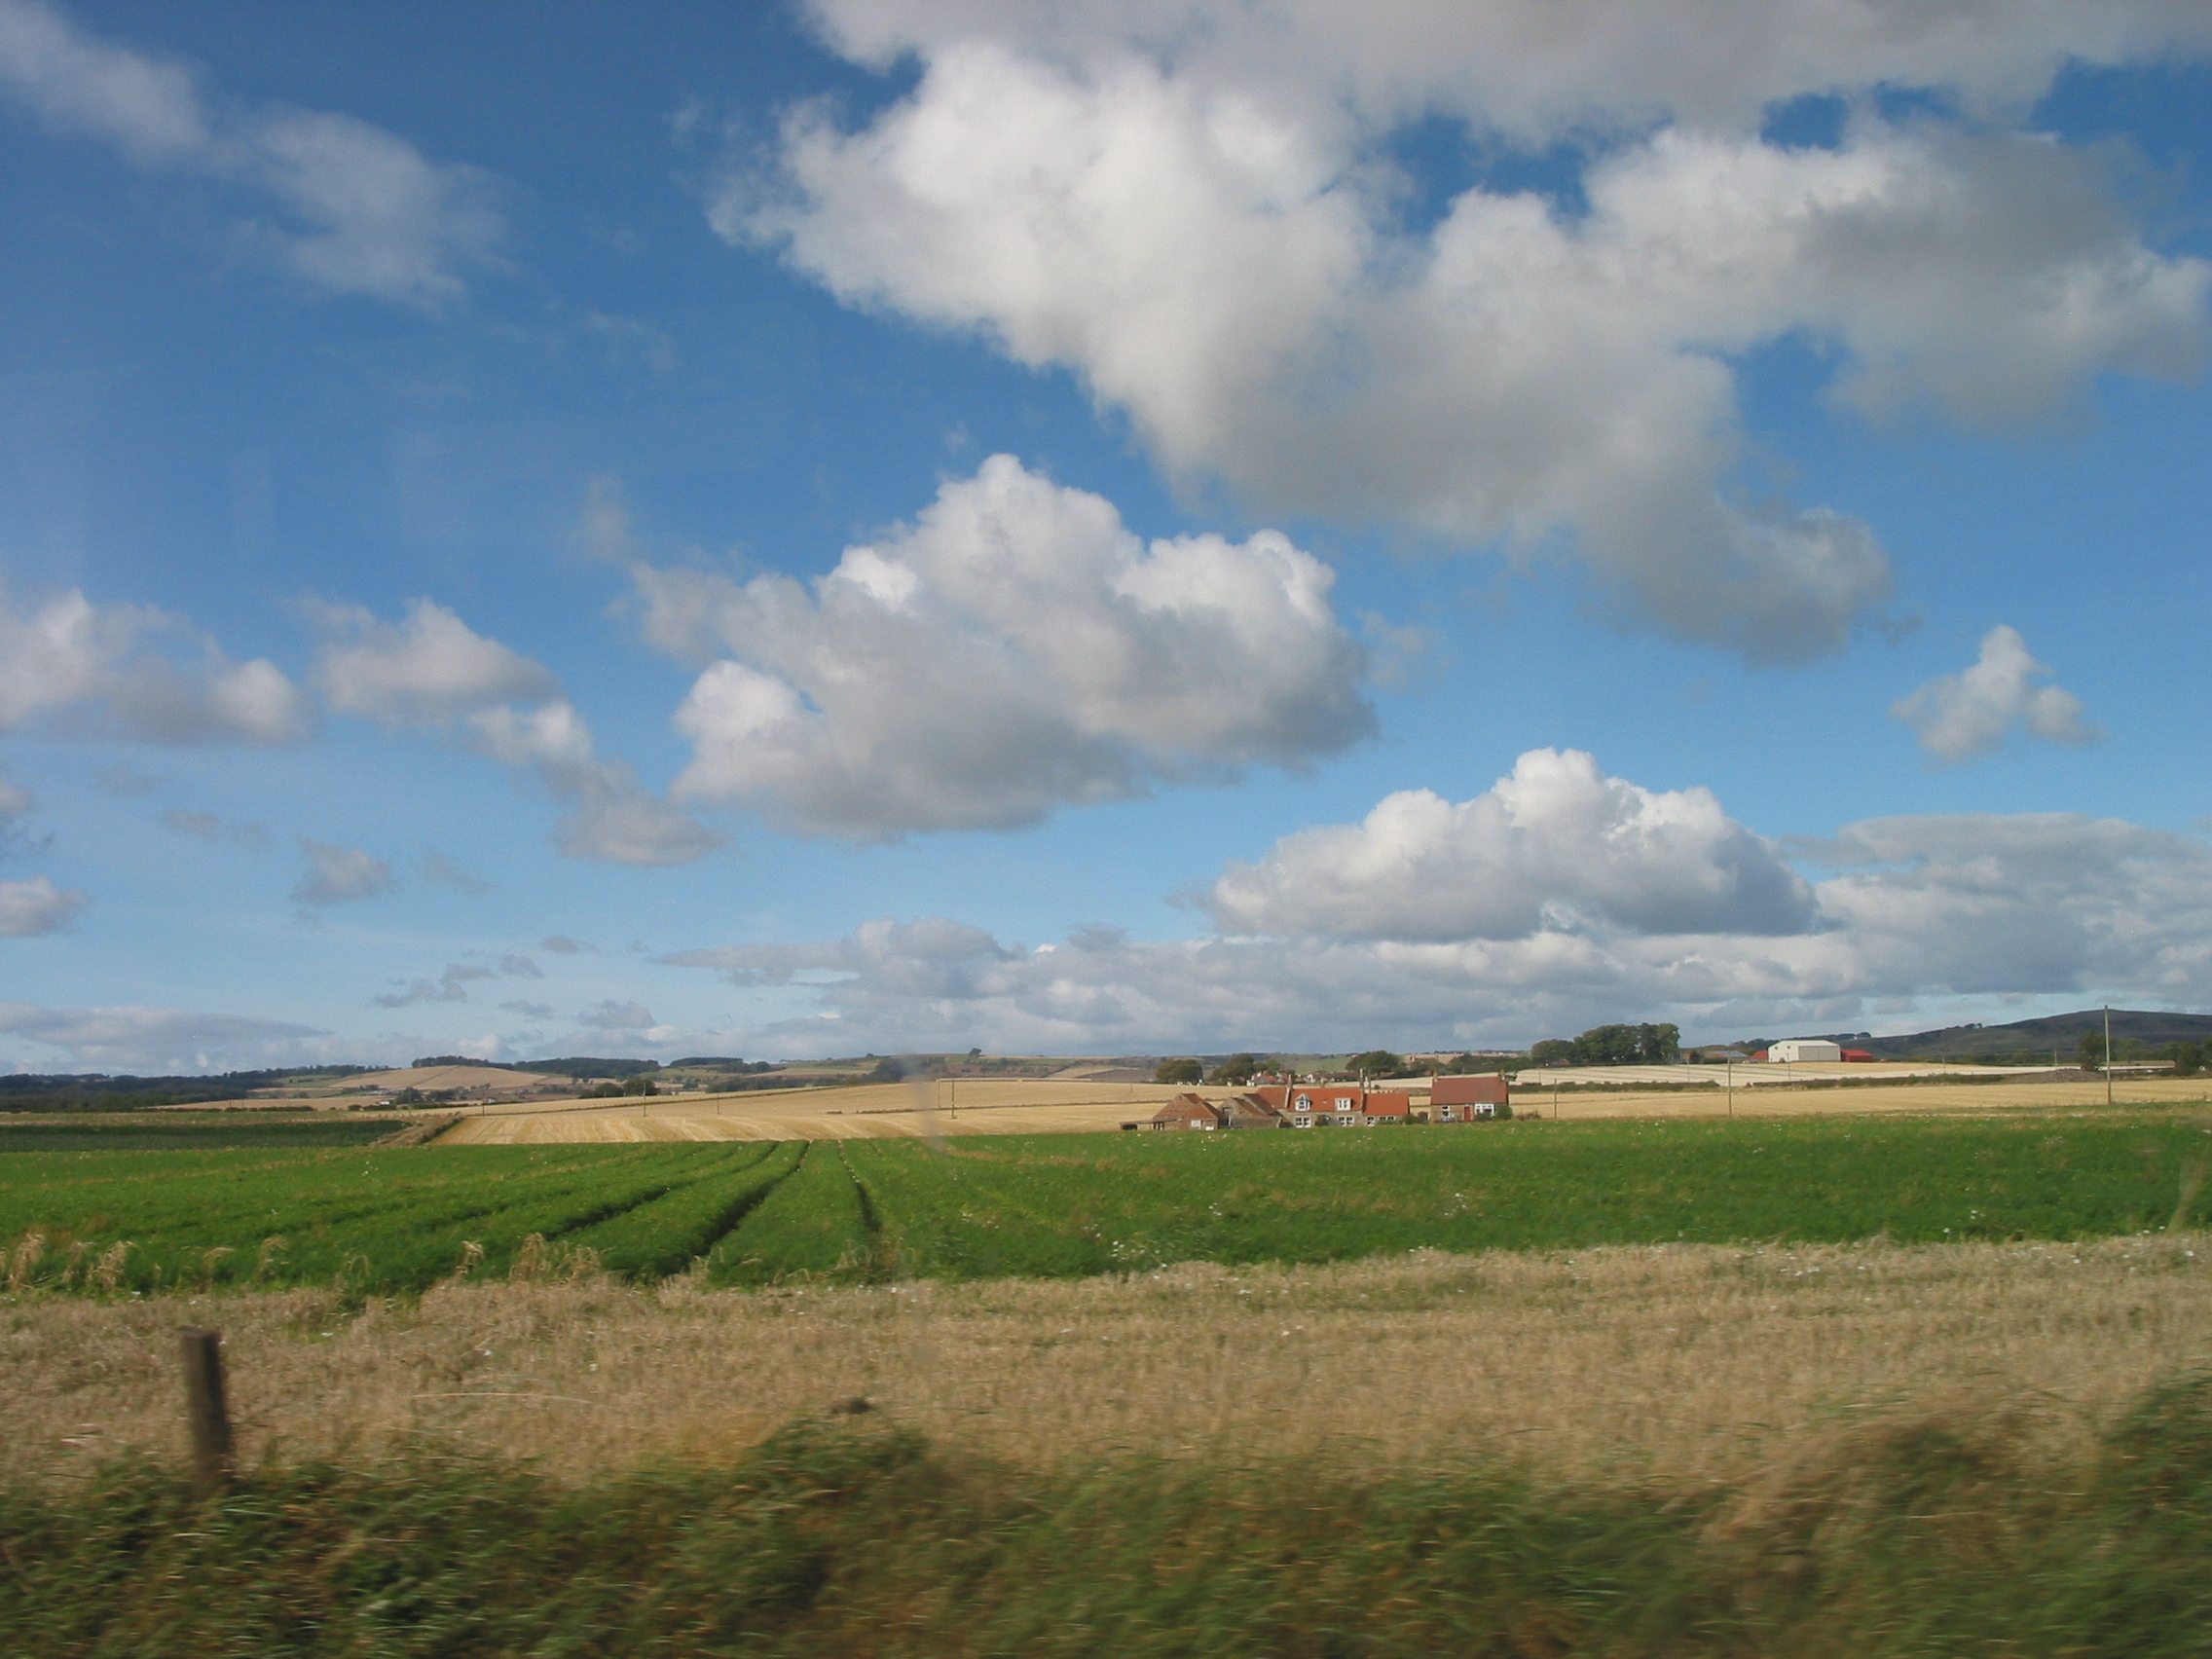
1933	1535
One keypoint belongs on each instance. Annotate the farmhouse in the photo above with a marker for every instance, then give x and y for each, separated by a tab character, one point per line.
1464	1099
1250	1112
1327	1105
1386	1107
1197	1112
1186	1112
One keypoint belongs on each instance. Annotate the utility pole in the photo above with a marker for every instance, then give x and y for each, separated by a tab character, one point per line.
2108	1053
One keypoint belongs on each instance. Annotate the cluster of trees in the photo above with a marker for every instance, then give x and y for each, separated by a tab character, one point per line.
1235	1070
1612	1046
1374	1063
636	1086
2188	1058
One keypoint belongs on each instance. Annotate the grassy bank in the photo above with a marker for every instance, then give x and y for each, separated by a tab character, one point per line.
1918	1536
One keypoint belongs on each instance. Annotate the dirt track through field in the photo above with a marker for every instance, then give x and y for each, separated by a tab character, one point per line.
984	1108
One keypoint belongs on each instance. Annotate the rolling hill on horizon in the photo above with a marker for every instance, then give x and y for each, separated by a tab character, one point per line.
2132	1030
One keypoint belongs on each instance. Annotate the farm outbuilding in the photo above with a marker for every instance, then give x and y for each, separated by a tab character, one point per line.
1804	1049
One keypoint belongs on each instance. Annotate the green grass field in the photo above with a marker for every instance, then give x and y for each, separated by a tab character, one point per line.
396	1220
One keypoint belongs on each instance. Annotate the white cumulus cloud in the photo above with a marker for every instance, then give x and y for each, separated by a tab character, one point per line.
334	199
1968	716
1558	845
1190	208
1017	648
1542	70
135	672
430	669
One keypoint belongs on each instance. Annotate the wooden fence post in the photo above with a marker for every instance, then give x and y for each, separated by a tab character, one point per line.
207	1411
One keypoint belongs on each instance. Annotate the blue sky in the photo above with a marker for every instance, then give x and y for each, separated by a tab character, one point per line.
894	525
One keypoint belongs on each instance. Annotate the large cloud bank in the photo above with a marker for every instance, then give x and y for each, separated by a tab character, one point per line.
1014	649
1195	208
1558	899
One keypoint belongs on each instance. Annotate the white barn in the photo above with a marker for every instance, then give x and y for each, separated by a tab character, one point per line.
1804	1049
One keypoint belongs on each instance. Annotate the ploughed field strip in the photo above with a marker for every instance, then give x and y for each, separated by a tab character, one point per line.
399	1220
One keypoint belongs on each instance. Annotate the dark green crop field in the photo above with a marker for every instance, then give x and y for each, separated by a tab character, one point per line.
180	1131
396	1220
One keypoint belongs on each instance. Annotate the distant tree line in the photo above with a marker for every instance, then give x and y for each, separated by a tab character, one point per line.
1374	1064
99	1092
1612	1046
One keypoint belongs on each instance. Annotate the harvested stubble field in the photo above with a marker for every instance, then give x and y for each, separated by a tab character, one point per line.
892	1110
1683	1364
900	1110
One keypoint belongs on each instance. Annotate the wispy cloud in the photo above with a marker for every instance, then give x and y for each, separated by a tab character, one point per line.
38	906
339	876
453	984
16	804
212	826
433	672
142	1039
341	203
441	871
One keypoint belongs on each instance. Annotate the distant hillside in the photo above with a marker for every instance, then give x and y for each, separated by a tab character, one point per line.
2133	1030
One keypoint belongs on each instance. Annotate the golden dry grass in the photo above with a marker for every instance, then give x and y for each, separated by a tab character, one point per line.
1778	1100
1681	1363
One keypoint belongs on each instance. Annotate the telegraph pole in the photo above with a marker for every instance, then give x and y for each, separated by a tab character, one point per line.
2108	1053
